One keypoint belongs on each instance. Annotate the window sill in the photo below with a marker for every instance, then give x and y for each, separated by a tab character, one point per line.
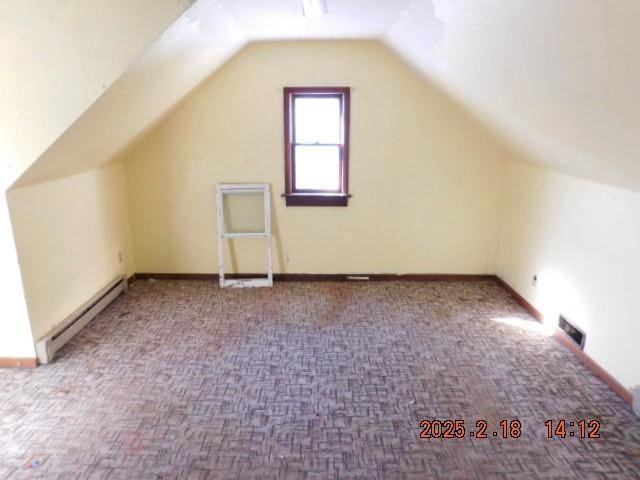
316	199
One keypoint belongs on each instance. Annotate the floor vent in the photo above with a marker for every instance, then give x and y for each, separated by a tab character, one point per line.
48	345
577	335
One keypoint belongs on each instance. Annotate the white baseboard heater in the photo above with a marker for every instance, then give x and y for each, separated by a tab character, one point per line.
49	344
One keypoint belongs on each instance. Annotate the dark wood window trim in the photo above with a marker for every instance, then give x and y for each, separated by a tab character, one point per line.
318	198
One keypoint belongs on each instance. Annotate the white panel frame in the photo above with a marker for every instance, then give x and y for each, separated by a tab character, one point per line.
240	189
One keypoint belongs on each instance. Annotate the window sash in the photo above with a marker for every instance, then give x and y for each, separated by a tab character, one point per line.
295	97
291	95
338	190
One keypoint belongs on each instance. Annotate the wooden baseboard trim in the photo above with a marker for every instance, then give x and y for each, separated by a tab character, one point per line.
323	277
622	391
521	300
380	277
131	280
563	339
177	276
18	362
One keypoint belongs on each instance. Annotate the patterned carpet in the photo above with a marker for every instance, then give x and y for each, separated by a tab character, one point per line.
178	379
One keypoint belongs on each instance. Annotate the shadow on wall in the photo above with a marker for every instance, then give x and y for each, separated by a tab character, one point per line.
73	238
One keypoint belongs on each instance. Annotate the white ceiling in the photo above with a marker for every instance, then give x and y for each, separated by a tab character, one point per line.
280	19
558	79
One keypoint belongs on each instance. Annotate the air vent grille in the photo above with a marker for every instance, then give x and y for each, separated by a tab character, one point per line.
577	335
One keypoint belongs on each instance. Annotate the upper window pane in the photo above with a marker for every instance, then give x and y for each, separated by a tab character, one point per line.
317	120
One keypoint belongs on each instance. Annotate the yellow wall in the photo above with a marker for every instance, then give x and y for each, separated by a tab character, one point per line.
57	57
426	180
69	233
581	239
196	44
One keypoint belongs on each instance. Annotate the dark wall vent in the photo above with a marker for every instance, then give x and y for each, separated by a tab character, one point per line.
577	335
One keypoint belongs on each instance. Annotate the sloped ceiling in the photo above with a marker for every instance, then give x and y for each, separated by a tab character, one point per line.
201	40
558	79
57	57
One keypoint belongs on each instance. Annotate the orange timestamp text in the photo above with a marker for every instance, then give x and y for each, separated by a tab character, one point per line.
456	428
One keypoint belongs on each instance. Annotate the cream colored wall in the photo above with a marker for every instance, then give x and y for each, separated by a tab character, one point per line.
581	239
196	44
69	233
426	180
16	339
59	56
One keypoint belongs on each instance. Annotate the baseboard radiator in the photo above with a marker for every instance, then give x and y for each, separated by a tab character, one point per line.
49	344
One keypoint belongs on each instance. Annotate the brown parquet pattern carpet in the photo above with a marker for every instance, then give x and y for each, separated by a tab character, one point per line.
178	379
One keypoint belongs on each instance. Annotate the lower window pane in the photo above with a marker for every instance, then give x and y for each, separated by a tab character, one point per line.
317	168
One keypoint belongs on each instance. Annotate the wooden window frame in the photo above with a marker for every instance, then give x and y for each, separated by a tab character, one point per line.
316	198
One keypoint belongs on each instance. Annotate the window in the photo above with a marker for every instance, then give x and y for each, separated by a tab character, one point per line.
316	138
